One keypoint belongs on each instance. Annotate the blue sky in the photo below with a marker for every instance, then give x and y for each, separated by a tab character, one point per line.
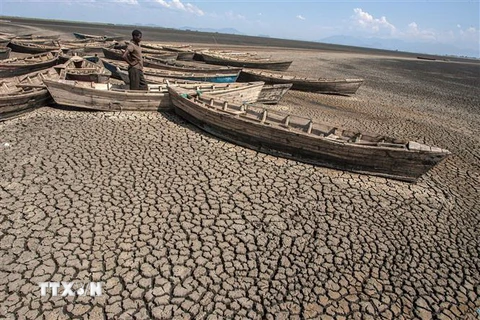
450	23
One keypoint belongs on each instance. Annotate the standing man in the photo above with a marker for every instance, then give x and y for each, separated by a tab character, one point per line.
133	56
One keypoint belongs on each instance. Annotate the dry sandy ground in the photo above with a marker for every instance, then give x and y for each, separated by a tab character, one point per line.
178	224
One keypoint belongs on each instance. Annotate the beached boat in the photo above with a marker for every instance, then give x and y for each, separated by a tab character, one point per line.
321	85
153	75
22	94
186	66
184	52
245	61
18	66
273	93
32	48
33	37
108	97
116	54
5	53
83	36
87	46
305	140
80	69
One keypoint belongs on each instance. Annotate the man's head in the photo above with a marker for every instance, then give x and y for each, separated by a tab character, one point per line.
137	35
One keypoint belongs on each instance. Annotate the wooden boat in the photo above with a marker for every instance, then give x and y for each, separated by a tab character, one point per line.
5	53
151	74
109	97
245	61
87	46
185	66
32	48
22	94
185	53
302	139
83	36
273	93
116	54
32	37
155	52
18	66
335	86
80	69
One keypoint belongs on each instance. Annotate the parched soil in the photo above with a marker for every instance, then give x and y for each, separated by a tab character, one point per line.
176	223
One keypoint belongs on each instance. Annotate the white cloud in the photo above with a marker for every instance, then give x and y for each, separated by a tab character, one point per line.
234	16
374	25
413	31
179	6
300	17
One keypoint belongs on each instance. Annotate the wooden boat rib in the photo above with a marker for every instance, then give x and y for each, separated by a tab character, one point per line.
108	97
151	73
5	53
245	62
302	139
22	94
80	69
32	48
333	86
18	66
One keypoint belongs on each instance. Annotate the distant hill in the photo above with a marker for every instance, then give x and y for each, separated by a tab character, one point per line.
400	45
223	30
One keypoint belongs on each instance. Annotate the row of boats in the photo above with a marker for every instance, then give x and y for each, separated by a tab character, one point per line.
235	109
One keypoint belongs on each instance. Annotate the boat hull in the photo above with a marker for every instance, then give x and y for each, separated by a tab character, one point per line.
270	65
331	86
385	162
67	94
13	106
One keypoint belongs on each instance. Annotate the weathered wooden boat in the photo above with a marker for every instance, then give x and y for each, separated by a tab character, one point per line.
185	53
109	97
18	66
245	61
153	75
87	46
116	54
32	48
22	94
33	37
273	93
302	139
5	53
154	52
334	86
185	66
83	36
80	69
4	42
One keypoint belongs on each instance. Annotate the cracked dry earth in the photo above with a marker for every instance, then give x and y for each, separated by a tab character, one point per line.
178	224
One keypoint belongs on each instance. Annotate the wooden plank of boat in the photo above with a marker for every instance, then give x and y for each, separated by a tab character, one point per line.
18	66
32	48
246	62
273	93
5	53
302	139
22	94
332	86
80	69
